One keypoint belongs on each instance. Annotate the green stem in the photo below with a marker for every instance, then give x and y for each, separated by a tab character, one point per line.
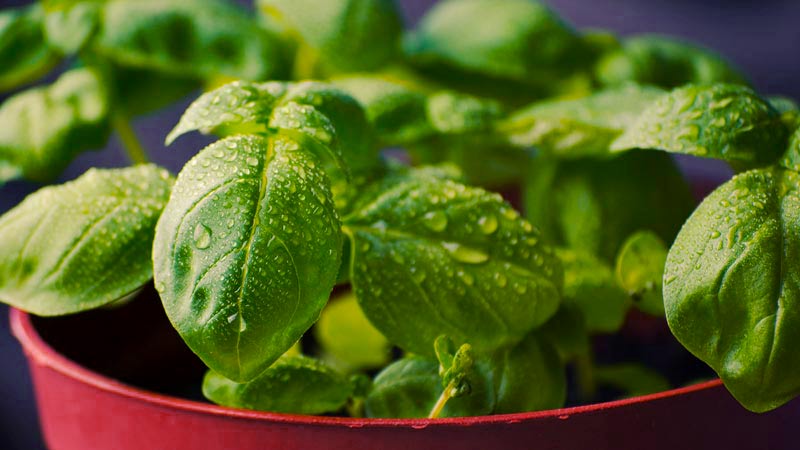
447	394
584	368
130	143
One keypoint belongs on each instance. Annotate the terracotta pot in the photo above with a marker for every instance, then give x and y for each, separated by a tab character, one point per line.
81	409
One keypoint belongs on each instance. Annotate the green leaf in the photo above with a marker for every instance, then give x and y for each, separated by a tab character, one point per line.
294	384
25	55
247	251
45	128
567	332
519	40
398	114
791	159
590	285
731	288
410	387
432	257
82	244
454	113
632	379
529	377
580	127
721	121
640	270
8	172
347	339
70	24
133	89
593	205
339	35
664	62
191	38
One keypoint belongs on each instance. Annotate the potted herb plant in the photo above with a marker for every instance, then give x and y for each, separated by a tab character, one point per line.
449	303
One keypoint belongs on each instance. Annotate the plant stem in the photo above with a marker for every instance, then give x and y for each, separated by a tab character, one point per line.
439	406
584	369
130	143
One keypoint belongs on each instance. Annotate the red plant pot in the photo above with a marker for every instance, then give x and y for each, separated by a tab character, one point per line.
83	410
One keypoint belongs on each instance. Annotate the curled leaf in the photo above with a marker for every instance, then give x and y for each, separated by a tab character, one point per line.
25	54
82	244
640	270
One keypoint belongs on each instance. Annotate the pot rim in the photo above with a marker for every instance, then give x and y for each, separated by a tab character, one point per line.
38	351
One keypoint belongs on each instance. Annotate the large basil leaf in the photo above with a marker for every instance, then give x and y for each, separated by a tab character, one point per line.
591	286
722	121
45	128
433	257
192	38
520	40
593	205
731	290
247	251
410	387
83	244
339	35
347	339
640	270
25	55
575	128
664	62
294	384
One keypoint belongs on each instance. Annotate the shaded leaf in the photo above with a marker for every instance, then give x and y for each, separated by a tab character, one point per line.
25	55
640	270
69	24
632	379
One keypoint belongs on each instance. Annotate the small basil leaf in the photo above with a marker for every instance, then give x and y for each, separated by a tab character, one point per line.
339	35
519	40
567	332
25	55
192	38
721	121
347	338
294	384
243	267
454	113
664	62
133	89
8	172
791	159
410	387
398	114
69	24
593	205
83	244
632	379
239	102
640	270
575	128
730	289
434	257
591	286
529	377
45	128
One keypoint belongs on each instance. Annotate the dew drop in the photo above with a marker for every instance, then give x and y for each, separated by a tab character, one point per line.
435	220
488	224
252	161
202	236
465	254
500	279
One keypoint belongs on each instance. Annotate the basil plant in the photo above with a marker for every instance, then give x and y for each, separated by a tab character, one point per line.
449	301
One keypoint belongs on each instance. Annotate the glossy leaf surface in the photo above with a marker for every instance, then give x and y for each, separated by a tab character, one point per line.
82	244
294	384
45	128
432	257
721	121
730	288
247	251
585	126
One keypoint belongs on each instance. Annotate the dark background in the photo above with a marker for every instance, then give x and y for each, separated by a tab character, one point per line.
762	37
